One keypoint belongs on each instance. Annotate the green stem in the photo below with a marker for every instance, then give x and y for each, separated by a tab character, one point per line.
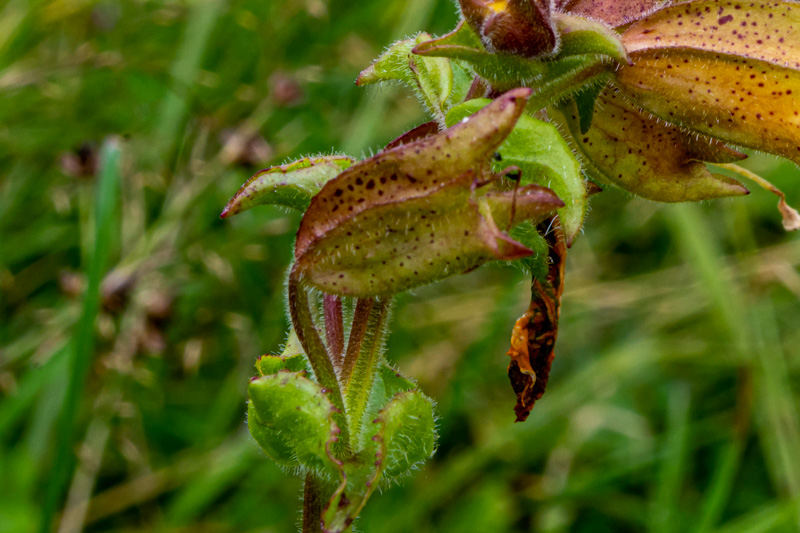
318	356
362	357
312	505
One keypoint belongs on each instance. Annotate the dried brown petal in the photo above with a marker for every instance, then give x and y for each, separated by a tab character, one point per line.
534	336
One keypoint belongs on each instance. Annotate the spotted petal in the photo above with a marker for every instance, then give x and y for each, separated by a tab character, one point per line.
647	157
739	100
613	12
766	31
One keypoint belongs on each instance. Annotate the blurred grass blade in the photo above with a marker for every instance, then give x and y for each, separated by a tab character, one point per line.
730	457
370	114
753	329
665	516
106	224
773	517
202	17
29	389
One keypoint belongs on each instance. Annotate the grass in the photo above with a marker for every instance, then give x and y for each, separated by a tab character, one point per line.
131	315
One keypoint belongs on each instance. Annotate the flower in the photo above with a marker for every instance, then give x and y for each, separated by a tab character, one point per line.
702	74
691	78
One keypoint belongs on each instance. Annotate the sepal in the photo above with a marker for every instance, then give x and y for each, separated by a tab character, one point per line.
291	185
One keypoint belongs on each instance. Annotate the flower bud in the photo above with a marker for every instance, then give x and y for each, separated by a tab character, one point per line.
520	27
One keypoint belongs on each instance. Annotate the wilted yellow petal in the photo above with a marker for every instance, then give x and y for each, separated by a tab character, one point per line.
767	31
645	156
742	101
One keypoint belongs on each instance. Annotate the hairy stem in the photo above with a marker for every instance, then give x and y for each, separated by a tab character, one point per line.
312	505
318	356
357	331
334	328
363	356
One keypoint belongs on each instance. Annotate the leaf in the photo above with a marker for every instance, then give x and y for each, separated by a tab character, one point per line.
536	264
643	155
569	77
582	36
612	12
292	359
362	359
291	185
534	336
738	100
544	157
764	31
551	80
394	382
585	102
431	78
291	418
419	212
407	435
504	70
403	436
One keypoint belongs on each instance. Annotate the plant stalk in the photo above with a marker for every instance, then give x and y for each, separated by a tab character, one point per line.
318	356
334	328
362	358
312	505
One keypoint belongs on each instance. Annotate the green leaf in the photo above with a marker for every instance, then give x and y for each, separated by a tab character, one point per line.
407	435
293	359
291	185
403	437
568	77
419	212
585	102
551	81
431	78
505	71
394	382
545	158
291	418
362	358
536	264
582	36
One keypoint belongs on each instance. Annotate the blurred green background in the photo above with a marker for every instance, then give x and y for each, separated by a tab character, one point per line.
125	352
